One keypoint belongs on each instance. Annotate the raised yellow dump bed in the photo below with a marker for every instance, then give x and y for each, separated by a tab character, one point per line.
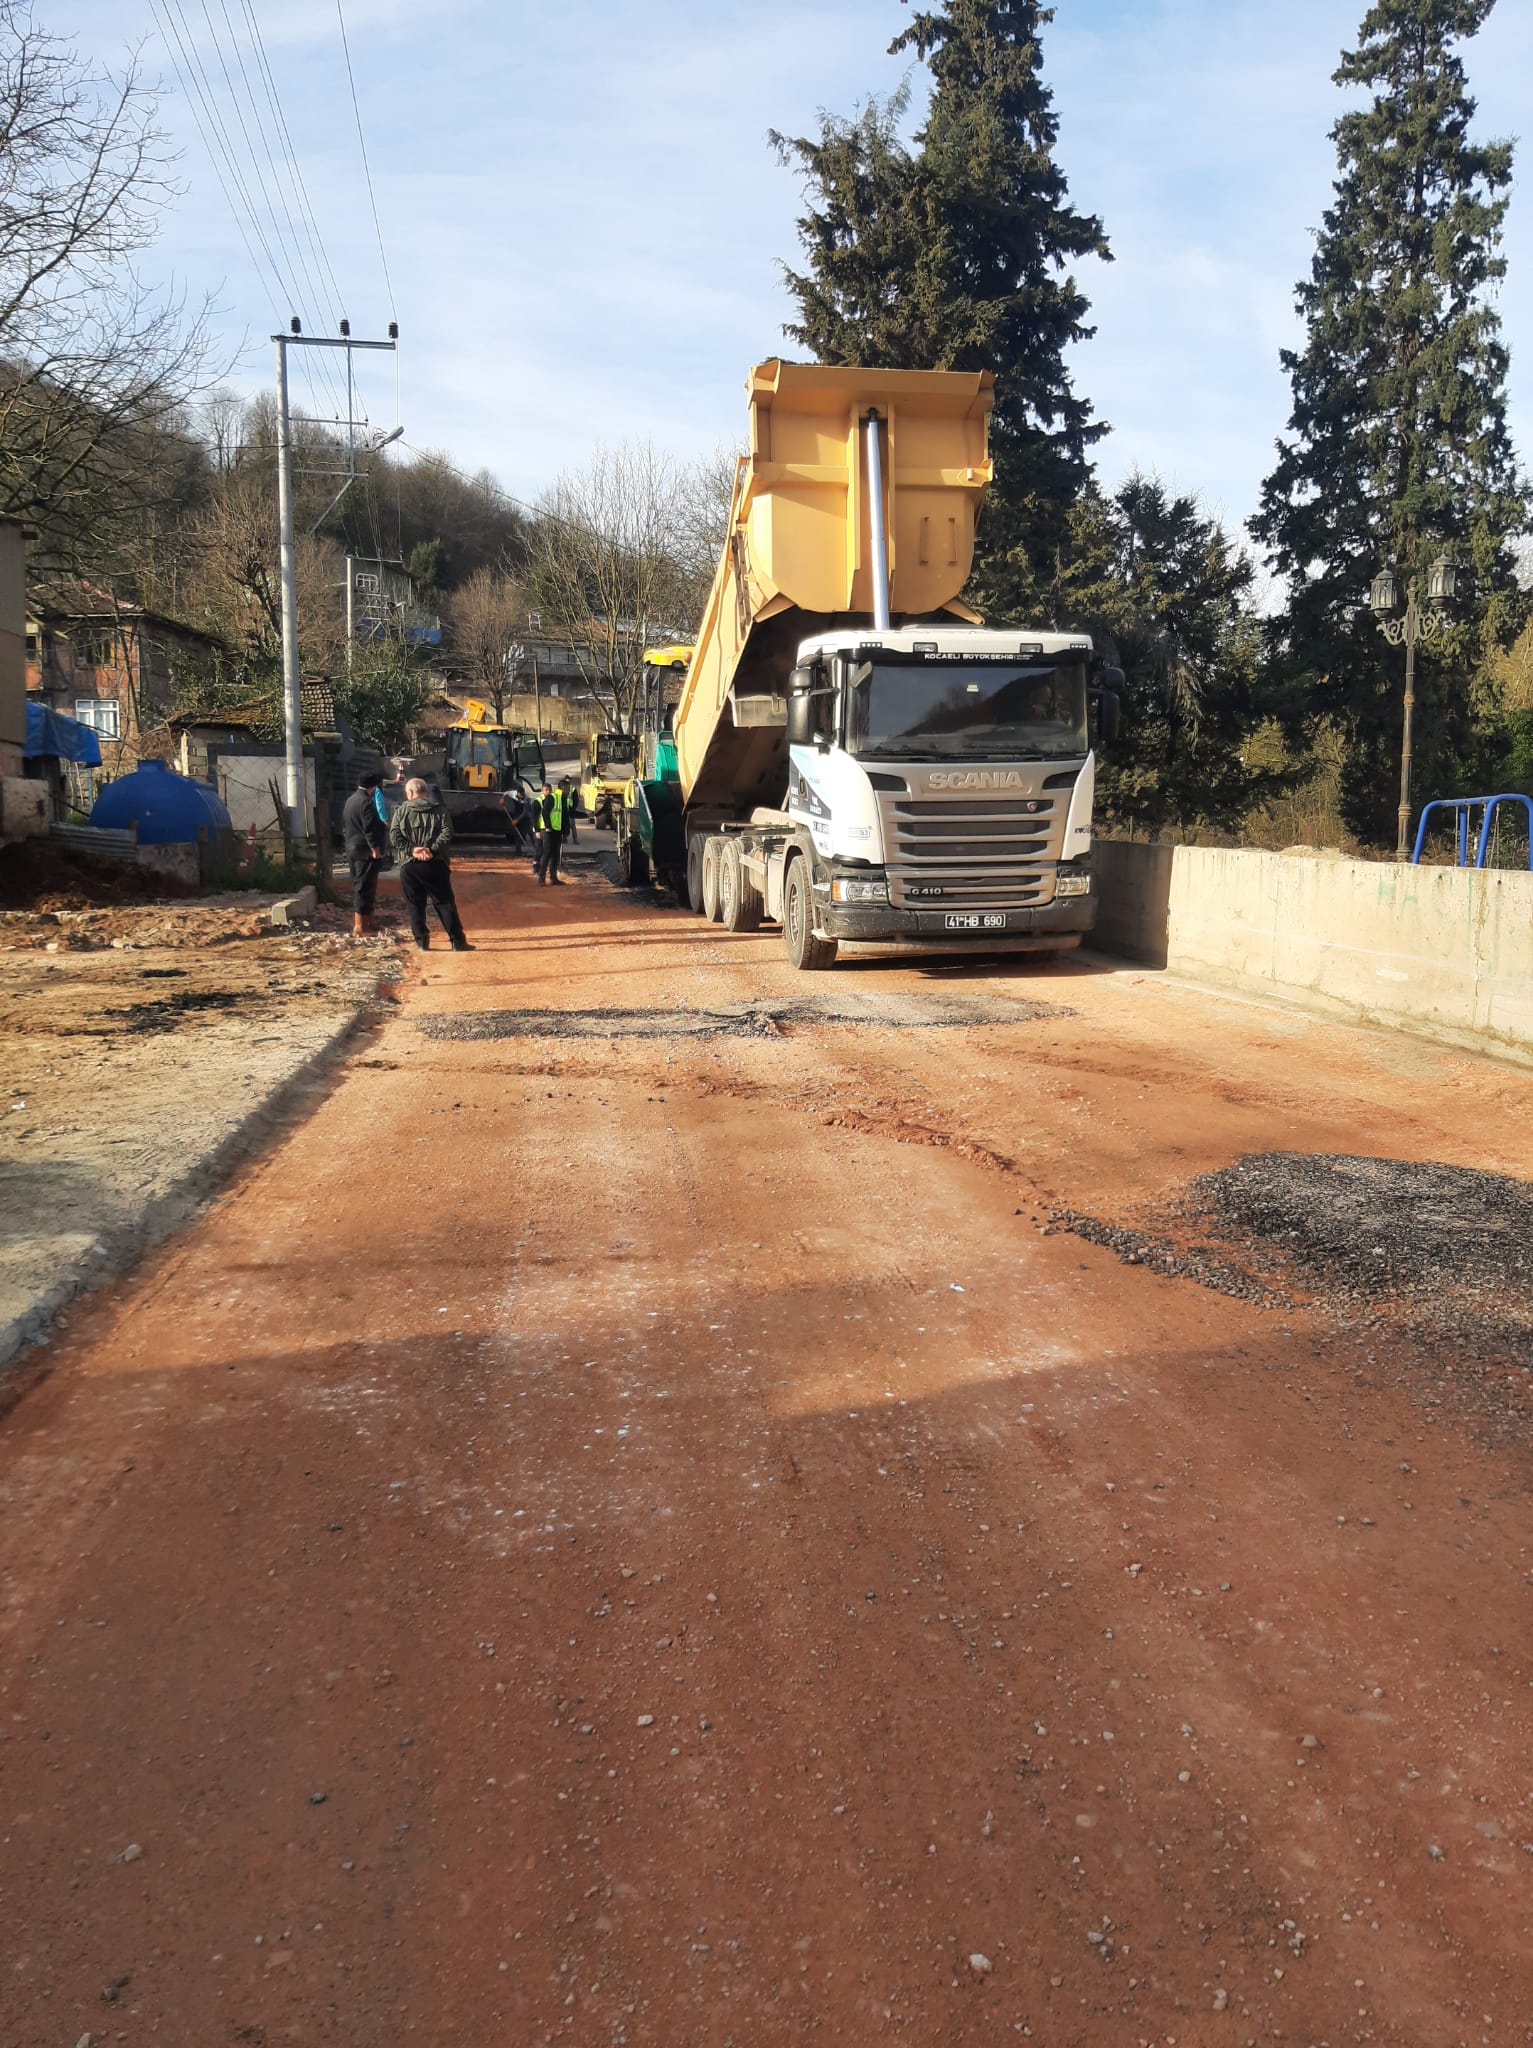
798	558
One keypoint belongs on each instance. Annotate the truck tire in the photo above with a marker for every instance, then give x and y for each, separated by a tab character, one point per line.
712	848
695	875
740	904
805	951
632	862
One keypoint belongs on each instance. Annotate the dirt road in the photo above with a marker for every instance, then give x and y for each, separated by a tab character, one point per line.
640	1529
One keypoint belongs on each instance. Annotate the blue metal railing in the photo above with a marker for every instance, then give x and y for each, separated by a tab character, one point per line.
1462	807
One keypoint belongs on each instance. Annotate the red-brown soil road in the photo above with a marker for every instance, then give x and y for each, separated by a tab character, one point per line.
643	1539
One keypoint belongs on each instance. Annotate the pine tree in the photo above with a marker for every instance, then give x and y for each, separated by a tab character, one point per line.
957	255
1398	444
1166	593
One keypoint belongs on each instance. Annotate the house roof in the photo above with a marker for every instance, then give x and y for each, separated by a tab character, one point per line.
87	603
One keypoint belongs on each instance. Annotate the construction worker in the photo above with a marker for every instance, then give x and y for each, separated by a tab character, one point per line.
420	835
518	812
567	791
549	811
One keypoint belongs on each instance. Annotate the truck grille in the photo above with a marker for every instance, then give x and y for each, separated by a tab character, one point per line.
972	853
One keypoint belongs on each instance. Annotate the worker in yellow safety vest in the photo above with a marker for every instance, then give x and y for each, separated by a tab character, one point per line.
549	811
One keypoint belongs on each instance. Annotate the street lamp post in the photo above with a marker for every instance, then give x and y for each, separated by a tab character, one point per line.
1409	630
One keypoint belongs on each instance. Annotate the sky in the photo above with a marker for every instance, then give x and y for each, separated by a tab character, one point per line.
584	222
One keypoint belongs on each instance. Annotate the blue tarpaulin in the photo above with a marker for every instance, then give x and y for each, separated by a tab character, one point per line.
50	732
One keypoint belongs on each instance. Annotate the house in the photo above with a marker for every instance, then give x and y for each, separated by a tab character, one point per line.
23	802
242	755
112	665
381	604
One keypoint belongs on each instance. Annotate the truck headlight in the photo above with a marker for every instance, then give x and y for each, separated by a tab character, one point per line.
859	889
1072	885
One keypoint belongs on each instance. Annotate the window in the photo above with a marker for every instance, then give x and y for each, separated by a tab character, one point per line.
534	622
102	714
95	646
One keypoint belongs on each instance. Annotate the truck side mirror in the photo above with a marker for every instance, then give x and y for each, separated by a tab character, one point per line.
1109	717
800	719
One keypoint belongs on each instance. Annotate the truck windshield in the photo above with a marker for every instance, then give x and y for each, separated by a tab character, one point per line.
966	710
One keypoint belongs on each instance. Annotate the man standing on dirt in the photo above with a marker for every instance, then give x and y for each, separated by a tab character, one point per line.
366	840
420	835
549	812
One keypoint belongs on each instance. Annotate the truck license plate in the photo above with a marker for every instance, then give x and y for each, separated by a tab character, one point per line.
973	921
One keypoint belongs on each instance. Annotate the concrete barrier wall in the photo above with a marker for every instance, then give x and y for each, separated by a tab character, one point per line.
1443	951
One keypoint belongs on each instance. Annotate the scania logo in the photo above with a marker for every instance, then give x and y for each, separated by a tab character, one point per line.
976	778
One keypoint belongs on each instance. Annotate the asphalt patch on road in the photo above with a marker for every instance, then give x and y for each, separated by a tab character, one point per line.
1441	1253
748	1020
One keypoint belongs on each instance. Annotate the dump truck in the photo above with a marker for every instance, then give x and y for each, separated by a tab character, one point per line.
857	757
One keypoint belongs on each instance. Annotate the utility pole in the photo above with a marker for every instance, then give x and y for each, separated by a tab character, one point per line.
292	691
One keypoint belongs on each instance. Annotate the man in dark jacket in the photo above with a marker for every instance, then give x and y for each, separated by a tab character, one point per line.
420	833
549	813
366	841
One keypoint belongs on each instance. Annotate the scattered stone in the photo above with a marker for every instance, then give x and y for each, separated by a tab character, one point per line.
129	1855
318	1798
980	1965
1436	1851
1221	2000
646	1720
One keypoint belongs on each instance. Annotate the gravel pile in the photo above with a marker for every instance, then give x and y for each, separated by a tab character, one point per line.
1444	1253
1163	1255
1445	1249
748	1020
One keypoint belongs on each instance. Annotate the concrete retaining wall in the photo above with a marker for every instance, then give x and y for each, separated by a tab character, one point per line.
1446	952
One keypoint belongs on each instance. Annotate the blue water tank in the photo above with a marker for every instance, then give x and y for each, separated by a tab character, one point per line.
168	809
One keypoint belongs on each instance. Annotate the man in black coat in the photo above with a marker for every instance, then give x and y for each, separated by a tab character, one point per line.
420	833
366	841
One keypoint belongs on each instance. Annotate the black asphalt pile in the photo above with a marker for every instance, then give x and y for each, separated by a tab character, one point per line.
1441	1253
1446	1249
1161	1254
750	1020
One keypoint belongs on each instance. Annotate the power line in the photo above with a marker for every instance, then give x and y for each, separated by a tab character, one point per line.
290	246
295	168
366	171
275	185
206	118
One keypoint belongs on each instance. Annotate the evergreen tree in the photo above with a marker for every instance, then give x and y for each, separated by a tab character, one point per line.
957	256
1398	443
1165	594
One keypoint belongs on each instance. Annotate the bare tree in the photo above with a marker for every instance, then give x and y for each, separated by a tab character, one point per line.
613	567
91	358
483	620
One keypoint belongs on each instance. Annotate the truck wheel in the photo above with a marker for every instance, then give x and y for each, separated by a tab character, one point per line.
752	902
632	862
739	900
805	951
711	851
695	875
